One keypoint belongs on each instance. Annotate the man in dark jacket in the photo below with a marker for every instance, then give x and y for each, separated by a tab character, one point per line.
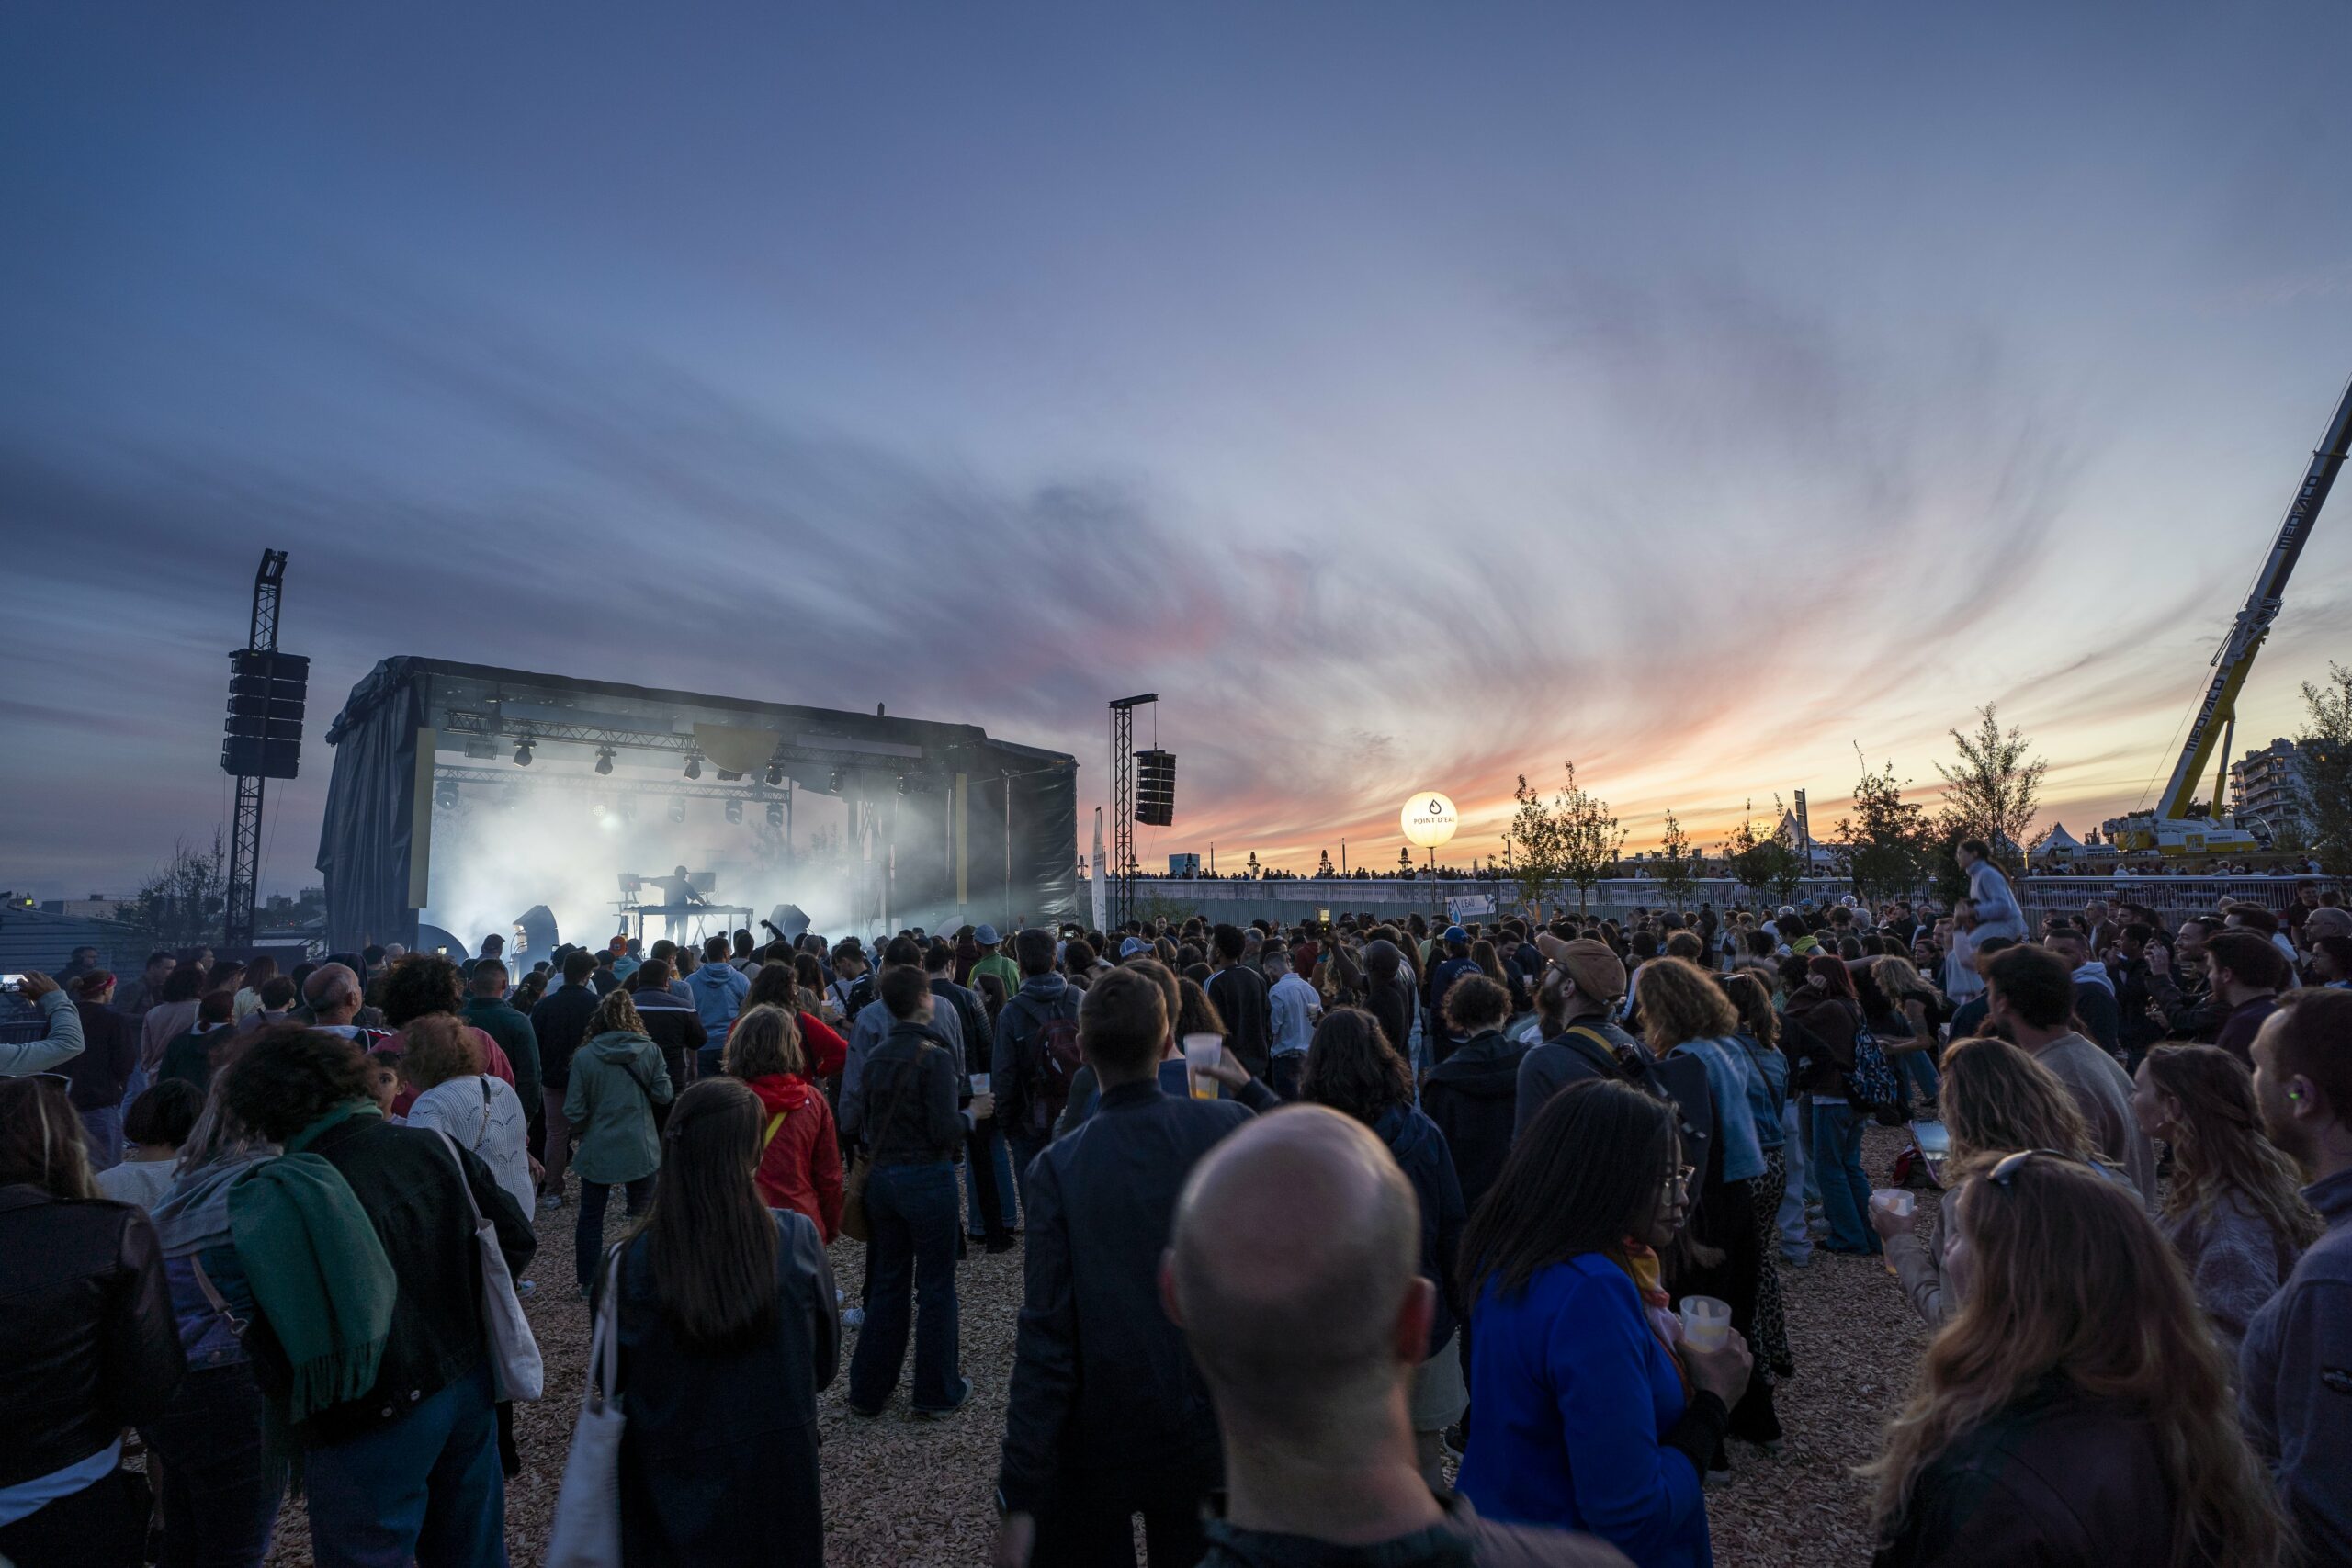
101	1073
1239	993
1044	999
988	1198
1319	1465
410	1468
560	1023
671	1022
1473	1095
1107	1417
488	1010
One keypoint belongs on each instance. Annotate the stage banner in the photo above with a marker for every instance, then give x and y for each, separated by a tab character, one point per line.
1470	907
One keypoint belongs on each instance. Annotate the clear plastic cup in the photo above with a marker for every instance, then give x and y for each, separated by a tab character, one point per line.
1203	1051
1895	1201
1706	1322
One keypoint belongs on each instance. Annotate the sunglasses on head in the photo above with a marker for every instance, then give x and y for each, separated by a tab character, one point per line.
2004	1174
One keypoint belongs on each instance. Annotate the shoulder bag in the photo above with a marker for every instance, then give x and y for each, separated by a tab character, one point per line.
587	1529
854	1224
515	1371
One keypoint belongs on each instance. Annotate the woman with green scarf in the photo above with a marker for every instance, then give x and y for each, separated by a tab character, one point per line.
357	1245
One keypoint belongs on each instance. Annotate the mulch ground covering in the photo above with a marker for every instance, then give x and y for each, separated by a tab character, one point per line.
906	1494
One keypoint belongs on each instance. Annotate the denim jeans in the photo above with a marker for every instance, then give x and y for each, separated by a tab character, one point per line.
1918	1070
425	1488
210	1471
1845	1190
588	1228
1000	1168
1796	1236
1285	1071
101	1130
912	1211
1024	1148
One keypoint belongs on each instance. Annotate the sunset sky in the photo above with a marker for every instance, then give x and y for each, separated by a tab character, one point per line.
1411	395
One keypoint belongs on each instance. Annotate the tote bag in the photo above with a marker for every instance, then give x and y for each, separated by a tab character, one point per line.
587	1532
515	1371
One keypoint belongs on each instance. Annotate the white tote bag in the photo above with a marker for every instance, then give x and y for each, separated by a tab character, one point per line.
587	1532
515	1369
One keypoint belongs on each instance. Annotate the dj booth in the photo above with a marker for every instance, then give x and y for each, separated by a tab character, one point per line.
689	923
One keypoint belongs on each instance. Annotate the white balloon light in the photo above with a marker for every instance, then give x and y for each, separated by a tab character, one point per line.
1429	820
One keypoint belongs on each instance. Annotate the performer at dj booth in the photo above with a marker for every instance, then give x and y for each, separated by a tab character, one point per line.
678	896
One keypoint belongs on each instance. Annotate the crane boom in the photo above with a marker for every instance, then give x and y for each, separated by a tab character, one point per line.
2235	656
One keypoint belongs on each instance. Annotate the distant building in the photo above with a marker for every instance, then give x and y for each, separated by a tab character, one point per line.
1183	866
2268	786
96	907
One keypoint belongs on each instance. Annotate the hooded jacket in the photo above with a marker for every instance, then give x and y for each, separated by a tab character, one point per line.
1013	1062
1473	1096
718	990
800	1161
617	1078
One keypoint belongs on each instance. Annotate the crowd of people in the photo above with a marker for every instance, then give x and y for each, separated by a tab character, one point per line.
1352	1243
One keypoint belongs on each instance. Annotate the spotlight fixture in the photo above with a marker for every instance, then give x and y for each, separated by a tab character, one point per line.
727	777
445	794
734	811
833	785
775	775
604	759
677	808
522	752
904	787
694	764
775	813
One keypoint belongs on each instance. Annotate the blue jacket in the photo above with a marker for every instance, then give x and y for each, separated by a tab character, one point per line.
2294	1371
717	991
1571	1397
1427	1164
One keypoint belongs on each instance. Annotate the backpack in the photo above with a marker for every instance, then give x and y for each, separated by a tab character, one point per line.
1874	1086
1054	1061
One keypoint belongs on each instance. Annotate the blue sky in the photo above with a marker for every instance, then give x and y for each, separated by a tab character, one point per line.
1413	396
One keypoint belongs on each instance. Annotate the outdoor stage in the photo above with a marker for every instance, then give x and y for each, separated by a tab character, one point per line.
462	793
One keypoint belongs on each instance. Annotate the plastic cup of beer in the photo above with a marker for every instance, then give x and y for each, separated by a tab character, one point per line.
1203	1051
1895	1202
1706	1322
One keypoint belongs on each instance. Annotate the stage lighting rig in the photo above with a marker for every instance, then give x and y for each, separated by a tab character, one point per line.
775	813
522	752
734	811
445	794
604	759
694	764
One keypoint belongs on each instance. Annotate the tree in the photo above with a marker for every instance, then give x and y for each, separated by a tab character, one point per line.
1993	793
1677	875
1765	863
182	902
2325	744
1536	867
1571	839
1889	840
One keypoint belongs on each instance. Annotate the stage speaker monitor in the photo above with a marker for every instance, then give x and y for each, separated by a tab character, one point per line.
263	735
1156	788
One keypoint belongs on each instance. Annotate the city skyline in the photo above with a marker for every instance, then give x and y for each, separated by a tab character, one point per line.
1412	400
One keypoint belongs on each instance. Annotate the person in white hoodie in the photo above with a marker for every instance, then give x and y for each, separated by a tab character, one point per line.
441	1060
1995	906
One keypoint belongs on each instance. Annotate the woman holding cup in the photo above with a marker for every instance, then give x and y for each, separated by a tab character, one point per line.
1590	1409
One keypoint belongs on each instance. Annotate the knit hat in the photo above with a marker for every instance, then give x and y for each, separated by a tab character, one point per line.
1596	971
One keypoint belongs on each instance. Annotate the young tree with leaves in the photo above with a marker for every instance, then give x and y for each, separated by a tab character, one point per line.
1535	861
2325	743
1765	863
181	903
1675	868
1993	790
1889	842
1585	837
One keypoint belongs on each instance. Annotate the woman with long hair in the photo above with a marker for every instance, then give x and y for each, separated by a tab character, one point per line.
2234	1210
1995	1098
1824	1003
778	985
1353	1068
91	1347
727	1332
2075	1410
618	1076
1685	1013
169	1018
1587	1411
800	1156
1757	1035
1919	1008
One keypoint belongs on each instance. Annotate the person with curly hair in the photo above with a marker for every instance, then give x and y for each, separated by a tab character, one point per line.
425	984
359	1243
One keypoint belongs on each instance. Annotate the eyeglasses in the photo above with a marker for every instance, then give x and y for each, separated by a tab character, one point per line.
1679	1180
2004	1175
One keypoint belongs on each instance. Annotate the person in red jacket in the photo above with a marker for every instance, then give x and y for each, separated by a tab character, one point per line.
801	1156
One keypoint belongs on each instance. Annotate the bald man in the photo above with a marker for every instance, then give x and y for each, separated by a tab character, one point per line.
1307	1318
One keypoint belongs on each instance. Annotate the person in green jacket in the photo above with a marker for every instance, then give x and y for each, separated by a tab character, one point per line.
618	1077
